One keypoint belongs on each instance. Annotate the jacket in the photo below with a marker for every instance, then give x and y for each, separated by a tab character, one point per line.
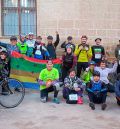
9	47
52	47
73	83
87	76
83	55
117	52
69	61
104	72
4	68
40	51
96	86
117	88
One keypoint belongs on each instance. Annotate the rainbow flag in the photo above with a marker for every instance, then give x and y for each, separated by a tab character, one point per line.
27	69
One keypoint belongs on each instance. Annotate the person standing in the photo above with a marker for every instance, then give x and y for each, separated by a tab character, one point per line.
30	42
98	51
84	53
51	47
23	47
68	44
69	61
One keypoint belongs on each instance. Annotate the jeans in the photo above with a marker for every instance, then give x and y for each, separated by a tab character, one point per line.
80	66
67	91
94	98
44	92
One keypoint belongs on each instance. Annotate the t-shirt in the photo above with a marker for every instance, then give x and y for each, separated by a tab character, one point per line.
46	75
98	53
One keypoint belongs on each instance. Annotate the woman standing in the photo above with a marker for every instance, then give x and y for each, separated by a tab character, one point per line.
69	60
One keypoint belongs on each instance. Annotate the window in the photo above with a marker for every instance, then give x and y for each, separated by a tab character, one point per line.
18	16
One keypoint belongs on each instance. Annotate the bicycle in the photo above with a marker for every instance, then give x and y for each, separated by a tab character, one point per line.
14	92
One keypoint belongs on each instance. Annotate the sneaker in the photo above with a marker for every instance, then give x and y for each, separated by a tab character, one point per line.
5	93
56	100
104	105
80	100
92	105
44	100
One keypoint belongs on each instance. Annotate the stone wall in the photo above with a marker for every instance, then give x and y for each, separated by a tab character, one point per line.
94	18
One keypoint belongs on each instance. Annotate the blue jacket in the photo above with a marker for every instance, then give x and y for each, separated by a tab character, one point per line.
9	47
117	88
96	86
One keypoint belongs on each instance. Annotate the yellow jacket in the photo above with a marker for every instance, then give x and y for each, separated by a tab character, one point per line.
83	55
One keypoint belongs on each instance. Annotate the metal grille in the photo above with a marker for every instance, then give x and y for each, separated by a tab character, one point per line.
18	16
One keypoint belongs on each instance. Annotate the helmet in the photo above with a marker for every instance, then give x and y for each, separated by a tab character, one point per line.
96	73
91	63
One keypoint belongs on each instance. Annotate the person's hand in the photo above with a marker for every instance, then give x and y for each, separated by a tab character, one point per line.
56	32
48	84
80	47
77	89
118	98
115	61
86	48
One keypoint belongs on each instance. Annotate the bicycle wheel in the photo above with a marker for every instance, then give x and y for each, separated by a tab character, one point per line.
15	93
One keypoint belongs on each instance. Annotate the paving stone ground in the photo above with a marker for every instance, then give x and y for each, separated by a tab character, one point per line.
32	114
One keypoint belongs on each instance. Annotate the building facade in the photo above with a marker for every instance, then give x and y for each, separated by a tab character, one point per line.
94	18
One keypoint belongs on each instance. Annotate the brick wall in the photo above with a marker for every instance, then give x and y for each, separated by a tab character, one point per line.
95	18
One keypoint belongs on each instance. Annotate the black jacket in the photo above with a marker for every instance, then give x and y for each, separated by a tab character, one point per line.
4	68
52	47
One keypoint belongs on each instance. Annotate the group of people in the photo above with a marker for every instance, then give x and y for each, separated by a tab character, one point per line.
84	68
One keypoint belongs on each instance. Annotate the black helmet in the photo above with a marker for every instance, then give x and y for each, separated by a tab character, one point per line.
50	37
13	38
96	73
